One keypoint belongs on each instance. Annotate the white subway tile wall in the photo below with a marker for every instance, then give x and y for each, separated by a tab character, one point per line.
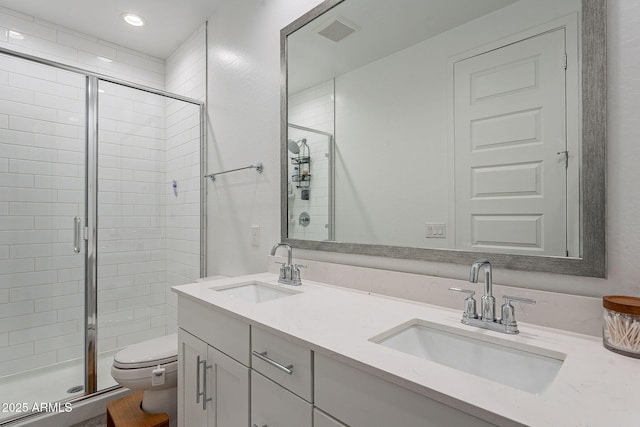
131	217
41	188
185	75
148	238
312	108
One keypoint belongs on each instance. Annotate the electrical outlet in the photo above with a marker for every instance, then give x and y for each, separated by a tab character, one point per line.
255	235
435	230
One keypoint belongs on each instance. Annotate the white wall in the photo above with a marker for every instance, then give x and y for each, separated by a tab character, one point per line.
244	114
245	97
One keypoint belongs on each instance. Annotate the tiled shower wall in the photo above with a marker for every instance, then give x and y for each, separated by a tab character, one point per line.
131	217
186	75
41	190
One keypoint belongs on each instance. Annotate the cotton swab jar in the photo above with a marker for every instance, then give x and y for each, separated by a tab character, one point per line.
621	324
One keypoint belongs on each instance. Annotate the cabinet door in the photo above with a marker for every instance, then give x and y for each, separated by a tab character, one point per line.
191	353
274	406
228	388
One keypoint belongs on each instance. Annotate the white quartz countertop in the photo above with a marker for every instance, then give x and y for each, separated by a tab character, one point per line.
594	387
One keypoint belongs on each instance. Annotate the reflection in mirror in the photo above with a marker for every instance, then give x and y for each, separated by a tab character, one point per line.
309	190
451	125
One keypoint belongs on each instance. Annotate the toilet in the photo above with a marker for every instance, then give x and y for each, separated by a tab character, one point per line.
151	366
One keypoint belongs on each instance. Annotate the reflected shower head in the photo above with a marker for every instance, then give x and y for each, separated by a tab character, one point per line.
293	146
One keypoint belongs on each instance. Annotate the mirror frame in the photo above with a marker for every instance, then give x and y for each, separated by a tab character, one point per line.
592	179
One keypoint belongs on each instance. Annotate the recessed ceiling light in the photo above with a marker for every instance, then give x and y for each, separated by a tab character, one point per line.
133	19
15	35
103	59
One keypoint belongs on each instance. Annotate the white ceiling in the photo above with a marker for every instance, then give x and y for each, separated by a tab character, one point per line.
168	22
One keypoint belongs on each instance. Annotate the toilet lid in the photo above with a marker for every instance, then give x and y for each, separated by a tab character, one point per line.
153	352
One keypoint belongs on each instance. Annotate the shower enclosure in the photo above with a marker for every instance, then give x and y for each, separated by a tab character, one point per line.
310	207
101	212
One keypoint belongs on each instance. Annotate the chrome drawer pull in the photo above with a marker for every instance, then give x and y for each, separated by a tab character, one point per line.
198	394
263	356
205	399
202	393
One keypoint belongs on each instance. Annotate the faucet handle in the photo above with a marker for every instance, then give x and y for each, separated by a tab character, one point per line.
509	298
469	303
508	312
465	291
283	269
295	274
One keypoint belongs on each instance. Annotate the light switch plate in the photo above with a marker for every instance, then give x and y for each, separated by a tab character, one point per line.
255	235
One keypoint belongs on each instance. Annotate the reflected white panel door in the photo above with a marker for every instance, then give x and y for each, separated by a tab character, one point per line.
510	125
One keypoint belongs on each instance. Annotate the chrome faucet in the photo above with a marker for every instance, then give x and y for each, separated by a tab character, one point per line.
289	273
487	319
487	302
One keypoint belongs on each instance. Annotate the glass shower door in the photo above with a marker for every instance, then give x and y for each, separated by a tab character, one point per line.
148	215
42	250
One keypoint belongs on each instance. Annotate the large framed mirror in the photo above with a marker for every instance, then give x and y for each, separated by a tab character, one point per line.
447	131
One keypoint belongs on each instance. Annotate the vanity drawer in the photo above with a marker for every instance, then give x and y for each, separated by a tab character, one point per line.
286	363
320	419
225	333
272	405
359	399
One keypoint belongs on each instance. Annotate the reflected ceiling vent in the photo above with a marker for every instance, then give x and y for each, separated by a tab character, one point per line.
338	29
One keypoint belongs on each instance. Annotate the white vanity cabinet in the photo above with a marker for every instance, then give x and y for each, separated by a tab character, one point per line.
213	388
236	371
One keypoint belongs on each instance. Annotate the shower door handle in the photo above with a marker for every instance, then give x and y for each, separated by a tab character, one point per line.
77	233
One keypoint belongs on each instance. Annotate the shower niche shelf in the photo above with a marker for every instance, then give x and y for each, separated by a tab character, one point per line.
302	175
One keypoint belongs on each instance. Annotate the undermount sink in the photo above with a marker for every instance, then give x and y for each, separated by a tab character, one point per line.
254	291
528	368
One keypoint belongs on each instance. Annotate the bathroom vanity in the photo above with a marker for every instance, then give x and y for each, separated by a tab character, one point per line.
253	352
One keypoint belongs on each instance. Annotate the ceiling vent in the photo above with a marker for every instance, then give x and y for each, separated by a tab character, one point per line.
337	30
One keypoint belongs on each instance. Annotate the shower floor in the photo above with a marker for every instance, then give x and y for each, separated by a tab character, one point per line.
50	384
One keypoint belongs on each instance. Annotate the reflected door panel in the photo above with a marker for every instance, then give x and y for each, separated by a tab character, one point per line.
510	139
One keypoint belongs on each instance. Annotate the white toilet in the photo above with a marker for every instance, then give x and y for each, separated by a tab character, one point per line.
151	366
